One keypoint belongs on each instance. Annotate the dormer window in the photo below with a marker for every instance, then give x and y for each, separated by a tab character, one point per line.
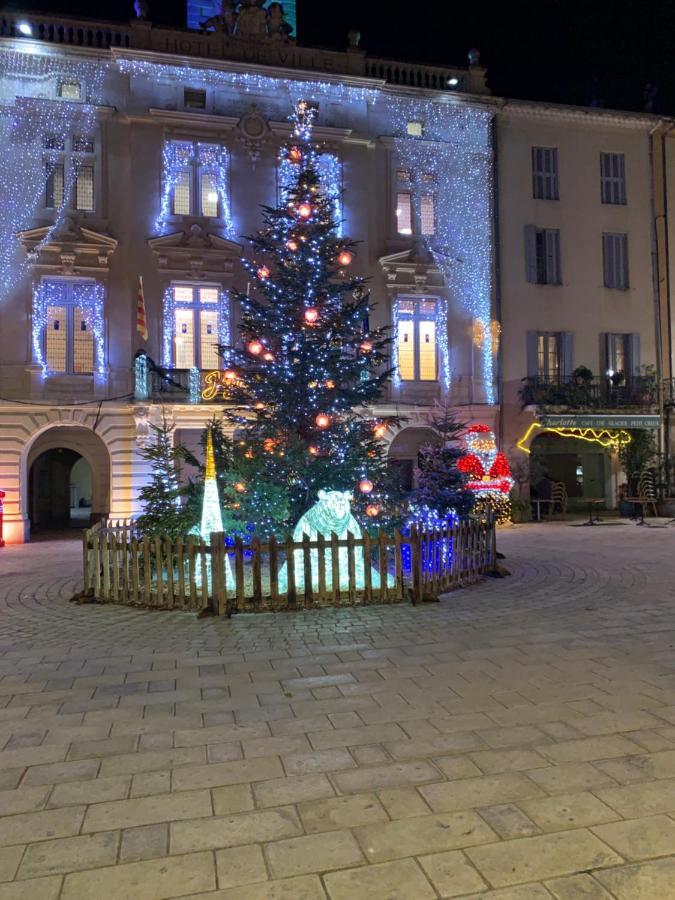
70	90
194	98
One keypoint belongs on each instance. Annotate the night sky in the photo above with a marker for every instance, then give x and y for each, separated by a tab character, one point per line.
595	52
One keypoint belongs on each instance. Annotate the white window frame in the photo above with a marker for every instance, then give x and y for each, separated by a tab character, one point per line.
613	178
70	303
546	337
197	306
71	160
545	178
543	260
195	172
416	317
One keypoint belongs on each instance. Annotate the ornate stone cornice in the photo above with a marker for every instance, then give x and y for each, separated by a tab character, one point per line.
70	249
194	253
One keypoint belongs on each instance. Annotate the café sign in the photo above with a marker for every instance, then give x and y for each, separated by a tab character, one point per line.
602	421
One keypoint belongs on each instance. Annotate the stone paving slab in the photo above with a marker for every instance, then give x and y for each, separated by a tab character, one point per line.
514	742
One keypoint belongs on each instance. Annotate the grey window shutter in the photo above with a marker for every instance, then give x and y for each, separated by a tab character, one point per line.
566	353
532	357
552	237
623	272
606	361
608	260
633	354
530	254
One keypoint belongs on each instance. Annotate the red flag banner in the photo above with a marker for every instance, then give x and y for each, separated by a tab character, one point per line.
141	321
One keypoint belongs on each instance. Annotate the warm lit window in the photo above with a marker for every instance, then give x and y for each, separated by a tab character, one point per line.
68	335
196	311
70	163
197	178
548	356
415	202
415	129
416	343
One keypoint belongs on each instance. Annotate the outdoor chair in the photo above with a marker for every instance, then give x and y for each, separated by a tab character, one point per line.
558	497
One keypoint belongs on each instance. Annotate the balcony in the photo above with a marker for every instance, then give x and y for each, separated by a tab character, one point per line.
639	392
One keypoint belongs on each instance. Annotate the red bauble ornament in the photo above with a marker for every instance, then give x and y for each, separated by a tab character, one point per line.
305	210
295	154
322	420
330	383
372	510
259	405
292	246
366	346
311	315
255	348
268	357
230	375
240	487
380	430
365	485
263	273
269	444
312	450
345	258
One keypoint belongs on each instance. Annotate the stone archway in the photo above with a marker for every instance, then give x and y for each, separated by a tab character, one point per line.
57	450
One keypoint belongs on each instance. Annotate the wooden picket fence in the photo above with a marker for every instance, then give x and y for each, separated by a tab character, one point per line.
188	573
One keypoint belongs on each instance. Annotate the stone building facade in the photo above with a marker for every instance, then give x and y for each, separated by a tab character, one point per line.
143	151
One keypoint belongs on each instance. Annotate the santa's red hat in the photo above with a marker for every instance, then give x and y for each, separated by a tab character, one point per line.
479	429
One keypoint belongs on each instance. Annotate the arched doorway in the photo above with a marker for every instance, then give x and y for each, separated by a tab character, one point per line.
66	480
403	451
59	491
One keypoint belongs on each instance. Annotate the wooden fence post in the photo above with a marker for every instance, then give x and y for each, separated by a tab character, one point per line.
219	597
416	565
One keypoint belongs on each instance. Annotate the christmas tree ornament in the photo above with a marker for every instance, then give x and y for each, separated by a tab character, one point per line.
255	348
345	258
313	450
329	383
263	273
366	486
304	210
292	246
295	154
366	346
240	487
230	375
372	510
269	444
380	430
311	315
268	357
322	421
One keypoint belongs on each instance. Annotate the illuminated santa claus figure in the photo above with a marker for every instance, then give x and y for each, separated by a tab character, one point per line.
488	471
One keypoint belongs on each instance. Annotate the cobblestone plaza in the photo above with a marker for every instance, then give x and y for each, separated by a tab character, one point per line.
514	742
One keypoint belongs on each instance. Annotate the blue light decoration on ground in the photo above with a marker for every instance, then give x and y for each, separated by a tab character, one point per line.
88	296
425	519
455	149
32	114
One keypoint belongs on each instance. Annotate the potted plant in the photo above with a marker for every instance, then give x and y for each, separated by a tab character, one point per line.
617	378
582	375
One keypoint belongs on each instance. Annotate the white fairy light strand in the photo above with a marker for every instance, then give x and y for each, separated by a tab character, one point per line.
31	112
169	306
89	297
455	149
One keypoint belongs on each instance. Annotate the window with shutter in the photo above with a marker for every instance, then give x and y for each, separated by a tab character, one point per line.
615	261
542	255
613	178
548	364
545	173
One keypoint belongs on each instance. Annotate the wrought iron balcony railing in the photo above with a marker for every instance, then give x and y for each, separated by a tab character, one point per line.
638	391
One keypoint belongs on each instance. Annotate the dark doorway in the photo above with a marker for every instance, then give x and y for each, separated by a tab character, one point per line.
59	491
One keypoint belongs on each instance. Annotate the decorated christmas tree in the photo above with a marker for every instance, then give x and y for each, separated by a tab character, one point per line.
309	368
441	489
163	513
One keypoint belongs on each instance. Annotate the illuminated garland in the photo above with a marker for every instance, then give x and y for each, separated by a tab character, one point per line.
606	438
455	149
169	305
89	296
141	377
30	112
248	82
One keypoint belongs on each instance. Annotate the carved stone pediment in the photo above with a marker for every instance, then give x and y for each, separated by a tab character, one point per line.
70	249
194	253
413	269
